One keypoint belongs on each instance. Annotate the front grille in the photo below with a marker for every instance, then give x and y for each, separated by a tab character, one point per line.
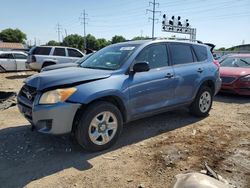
227	79
28	92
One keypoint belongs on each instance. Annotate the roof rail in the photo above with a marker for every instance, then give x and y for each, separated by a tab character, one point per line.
176	38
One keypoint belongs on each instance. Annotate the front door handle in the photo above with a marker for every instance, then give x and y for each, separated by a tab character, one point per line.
200	70
169	75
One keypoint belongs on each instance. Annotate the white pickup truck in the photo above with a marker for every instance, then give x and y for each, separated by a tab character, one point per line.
43	56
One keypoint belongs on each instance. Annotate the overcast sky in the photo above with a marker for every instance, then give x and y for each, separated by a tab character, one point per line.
222	22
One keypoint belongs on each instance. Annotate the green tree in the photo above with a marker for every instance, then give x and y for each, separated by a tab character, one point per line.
12	35
140	38
222	49
74	41
53	43
92	42
117	38
102	43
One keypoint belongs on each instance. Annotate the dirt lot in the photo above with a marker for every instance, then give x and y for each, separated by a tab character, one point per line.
149	153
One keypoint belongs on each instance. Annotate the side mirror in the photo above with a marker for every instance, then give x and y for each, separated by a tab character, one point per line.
141	67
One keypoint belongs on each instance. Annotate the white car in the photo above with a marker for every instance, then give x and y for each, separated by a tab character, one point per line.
12	61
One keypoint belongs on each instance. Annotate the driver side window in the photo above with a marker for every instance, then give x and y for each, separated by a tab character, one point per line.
155	55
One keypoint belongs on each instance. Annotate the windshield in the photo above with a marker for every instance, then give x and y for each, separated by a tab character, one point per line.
79	61
236	62
110	58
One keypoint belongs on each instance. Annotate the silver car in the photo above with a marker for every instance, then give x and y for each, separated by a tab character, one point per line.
12	61
43	56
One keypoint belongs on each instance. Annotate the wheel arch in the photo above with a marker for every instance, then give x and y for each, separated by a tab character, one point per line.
115	100
49	62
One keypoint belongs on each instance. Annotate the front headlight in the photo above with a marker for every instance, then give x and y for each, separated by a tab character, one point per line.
57	95
245	78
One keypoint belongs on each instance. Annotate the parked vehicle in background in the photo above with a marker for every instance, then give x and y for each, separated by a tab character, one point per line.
12	61
65	65
43	56
235	74
118	84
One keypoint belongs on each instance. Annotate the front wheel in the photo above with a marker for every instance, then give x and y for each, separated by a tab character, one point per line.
99	127
202	103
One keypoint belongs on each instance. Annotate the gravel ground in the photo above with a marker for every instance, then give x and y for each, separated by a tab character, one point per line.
149	153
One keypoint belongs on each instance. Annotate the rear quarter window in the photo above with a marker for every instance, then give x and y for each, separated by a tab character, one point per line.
59	52
200	52
41	51
74	53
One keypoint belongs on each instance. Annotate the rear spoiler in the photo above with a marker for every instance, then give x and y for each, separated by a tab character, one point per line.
210	45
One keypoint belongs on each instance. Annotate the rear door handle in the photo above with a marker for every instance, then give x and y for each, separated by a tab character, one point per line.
169	75
200	70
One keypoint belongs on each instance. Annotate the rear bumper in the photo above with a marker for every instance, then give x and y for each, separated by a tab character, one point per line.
33	66
50	119
217	85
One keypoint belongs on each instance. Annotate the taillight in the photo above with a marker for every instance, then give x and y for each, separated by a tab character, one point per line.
216	62
33	58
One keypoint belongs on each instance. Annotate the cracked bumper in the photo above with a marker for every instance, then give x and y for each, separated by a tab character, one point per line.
51	119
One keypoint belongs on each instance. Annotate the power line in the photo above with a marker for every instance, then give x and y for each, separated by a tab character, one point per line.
83	19
58	30
153	18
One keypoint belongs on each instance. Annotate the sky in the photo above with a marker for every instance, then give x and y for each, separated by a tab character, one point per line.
223	22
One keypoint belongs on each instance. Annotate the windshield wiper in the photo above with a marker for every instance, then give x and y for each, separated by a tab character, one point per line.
102	68
245	61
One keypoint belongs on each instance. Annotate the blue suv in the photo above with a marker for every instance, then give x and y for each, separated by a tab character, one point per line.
118	84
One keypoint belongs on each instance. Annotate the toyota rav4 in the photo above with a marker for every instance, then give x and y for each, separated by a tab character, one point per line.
118	84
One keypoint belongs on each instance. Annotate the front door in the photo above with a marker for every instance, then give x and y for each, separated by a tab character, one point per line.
152	90
7	62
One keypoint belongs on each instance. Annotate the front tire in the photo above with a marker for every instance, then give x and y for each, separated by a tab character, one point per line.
202	103
99	127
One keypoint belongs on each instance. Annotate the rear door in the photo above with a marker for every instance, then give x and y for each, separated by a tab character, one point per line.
74	54
20	60
7	62
60	55
188	71
152	90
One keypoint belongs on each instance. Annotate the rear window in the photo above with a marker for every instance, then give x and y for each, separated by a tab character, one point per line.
41	51
181	54
59	52
74	53
201	52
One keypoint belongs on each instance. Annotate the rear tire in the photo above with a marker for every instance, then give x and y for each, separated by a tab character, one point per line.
202	103
99	127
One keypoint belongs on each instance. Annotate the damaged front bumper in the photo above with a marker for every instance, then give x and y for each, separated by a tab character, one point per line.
51	119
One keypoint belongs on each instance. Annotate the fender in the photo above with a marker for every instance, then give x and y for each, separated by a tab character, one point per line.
210	78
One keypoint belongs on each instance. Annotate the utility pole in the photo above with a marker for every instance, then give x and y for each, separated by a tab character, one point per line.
141	34
66	33
153	18
58	30
83	19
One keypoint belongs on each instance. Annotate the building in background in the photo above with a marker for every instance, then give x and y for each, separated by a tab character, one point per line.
7	46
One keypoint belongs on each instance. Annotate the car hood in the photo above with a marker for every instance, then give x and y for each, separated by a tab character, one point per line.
59	66
65	77
234	71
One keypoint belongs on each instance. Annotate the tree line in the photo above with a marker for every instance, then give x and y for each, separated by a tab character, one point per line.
73	40
77	41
